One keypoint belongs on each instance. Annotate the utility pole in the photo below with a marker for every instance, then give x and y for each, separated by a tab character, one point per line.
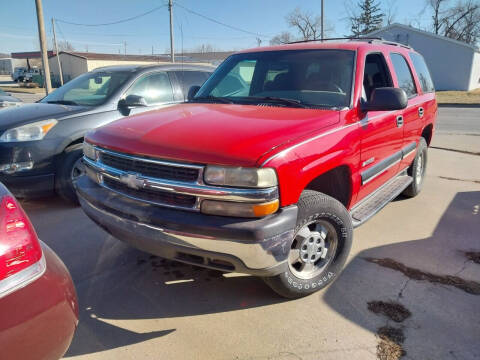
43	46
321	24
125	48
56	52
170	9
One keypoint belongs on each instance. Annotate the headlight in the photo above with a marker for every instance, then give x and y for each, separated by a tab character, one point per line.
237	209
241	177
29	132
89	151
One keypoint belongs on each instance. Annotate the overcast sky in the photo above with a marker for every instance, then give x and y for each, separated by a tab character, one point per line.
248	19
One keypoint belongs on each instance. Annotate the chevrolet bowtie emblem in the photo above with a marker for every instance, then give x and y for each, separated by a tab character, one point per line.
132	181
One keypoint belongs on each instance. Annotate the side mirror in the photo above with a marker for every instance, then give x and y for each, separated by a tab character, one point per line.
385	99
192	92
132	101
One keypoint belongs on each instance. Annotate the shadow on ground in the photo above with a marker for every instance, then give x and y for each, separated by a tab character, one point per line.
445	321
117	282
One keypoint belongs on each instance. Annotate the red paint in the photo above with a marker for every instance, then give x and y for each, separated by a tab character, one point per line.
307	142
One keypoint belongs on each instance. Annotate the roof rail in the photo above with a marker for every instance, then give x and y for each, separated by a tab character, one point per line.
370	40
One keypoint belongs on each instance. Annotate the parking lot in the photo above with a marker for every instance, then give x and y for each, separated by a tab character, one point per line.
416	252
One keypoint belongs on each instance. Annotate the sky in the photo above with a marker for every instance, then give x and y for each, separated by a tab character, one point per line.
248	20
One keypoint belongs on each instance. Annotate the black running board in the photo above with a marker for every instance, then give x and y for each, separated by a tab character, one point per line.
376	201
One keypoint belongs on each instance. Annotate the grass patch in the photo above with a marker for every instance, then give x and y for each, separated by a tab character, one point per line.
459	97
24	90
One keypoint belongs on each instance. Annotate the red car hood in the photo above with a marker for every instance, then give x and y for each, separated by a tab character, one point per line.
211	133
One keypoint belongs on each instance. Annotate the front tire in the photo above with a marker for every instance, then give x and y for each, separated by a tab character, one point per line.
70	169
322	242
417	170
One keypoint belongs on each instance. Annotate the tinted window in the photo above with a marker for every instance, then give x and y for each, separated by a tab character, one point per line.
422	72
155	88
404	75
92	88
188	79
376	74
309	77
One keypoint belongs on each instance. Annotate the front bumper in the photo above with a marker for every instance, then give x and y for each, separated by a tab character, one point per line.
255	246
39	180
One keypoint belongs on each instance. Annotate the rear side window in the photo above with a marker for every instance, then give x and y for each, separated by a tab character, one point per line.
404	75
188	79
422	71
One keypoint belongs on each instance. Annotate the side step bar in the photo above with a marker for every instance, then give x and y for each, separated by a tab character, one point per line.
379	199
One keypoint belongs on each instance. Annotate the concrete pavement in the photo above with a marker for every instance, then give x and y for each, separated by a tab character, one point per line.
135	306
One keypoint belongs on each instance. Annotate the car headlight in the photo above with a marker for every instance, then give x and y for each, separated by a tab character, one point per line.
240	177
29	132
89	151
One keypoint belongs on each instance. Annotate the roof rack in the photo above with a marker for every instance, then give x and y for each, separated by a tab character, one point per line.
370	40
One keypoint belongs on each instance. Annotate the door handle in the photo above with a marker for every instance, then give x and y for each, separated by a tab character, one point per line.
420	111
399	121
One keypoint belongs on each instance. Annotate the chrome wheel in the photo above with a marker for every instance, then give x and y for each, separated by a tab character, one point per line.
419	169
312	249
78	169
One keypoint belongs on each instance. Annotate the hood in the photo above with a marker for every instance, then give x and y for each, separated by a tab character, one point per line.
211	133
28	113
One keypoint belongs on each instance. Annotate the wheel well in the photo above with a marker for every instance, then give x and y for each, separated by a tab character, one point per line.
75	142
335	183
427	133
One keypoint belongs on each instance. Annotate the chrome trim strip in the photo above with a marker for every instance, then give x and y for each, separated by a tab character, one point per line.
361	202
285	151
193	189
380	172
23	277
409	153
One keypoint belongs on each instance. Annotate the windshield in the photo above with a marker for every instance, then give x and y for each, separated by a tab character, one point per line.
92	88
299	78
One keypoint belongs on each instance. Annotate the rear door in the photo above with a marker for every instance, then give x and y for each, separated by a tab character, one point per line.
187	79
381	137
412	115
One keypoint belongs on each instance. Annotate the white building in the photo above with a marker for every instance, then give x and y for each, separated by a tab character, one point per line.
454	65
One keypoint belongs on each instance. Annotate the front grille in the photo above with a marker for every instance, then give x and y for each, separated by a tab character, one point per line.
160	171
159	197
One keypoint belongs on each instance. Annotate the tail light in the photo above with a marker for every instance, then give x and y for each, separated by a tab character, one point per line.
21	257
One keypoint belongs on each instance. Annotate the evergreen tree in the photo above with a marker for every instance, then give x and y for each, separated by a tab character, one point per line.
369	19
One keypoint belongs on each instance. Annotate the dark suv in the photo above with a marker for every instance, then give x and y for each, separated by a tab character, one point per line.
41	143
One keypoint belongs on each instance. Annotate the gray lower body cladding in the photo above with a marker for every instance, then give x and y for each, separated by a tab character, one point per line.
255	246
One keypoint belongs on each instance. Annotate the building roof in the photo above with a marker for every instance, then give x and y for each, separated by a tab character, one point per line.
31	54
423	32
117	57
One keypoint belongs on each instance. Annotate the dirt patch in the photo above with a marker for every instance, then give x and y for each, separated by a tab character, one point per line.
394	311
471	287
473	256
390	345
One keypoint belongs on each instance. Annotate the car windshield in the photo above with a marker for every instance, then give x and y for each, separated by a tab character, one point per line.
290	78
93	88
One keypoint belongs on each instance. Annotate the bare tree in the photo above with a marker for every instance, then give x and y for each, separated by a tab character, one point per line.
460	21
307	25
283	38
390	12
65	46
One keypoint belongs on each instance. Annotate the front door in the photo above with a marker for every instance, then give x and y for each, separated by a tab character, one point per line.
381	131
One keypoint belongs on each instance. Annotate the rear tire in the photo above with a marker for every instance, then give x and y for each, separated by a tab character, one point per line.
71	167
417	170
322	242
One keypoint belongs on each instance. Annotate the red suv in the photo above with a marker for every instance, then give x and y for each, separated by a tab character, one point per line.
271	164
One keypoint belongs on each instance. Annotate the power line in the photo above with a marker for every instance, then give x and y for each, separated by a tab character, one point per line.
219	22
114	22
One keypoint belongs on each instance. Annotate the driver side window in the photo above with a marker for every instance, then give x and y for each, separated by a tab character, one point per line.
376	75
154	88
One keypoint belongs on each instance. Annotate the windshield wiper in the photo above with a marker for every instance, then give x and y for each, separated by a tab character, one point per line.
63	102
212	98
279	100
